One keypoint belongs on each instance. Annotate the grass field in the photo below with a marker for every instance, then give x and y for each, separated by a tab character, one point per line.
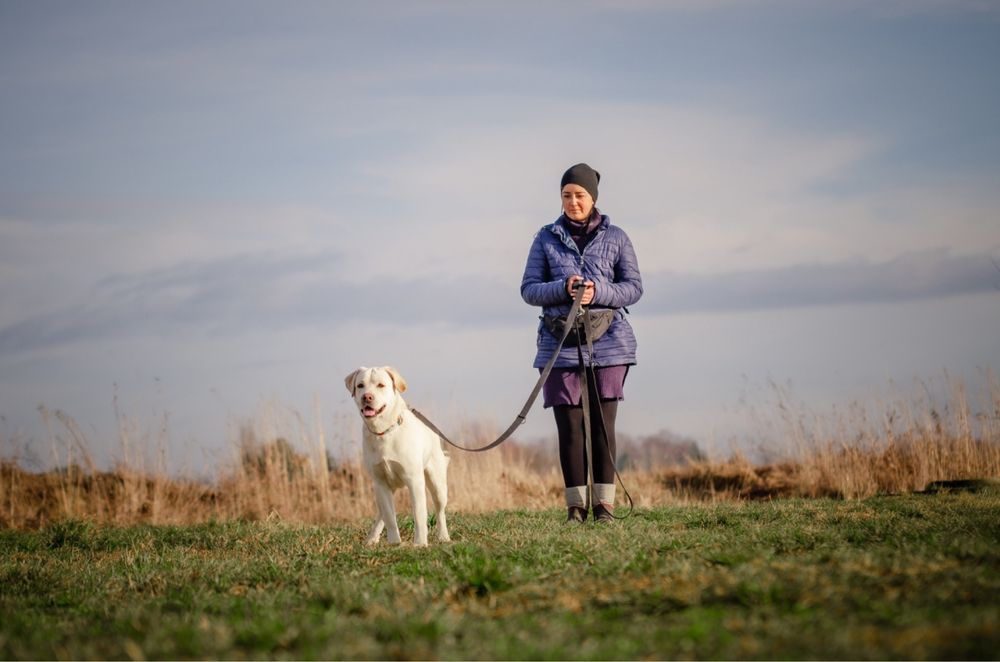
914	577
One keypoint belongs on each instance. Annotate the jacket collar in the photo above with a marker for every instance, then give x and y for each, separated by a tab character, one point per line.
559	231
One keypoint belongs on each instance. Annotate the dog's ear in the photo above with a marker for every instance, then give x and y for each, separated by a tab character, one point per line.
349	380
397	379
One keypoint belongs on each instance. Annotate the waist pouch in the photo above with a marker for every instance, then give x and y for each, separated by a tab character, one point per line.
588	327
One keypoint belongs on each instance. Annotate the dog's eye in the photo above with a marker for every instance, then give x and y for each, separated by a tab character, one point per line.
381	385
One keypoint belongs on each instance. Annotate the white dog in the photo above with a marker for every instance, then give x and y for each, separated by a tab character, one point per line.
399	451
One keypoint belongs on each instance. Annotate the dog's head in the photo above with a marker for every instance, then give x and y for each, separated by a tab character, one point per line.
375	389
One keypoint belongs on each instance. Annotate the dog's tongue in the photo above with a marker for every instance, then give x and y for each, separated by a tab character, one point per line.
369	412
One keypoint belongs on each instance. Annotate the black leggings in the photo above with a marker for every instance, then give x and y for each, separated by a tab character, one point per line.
573	448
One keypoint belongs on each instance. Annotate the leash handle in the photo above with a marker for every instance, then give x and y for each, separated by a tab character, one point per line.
523	414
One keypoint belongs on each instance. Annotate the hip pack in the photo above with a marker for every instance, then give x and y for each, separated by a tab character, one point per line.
587	328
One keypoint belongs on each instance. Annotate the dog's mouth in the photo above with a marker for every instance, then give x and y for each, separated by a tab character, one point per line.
371	412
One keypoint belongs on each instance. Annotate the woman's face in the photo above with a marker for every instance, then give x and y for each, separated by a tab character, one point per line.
576	203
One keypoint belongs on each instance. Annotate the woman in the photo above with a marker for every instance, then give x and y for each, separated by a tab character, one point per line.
582	246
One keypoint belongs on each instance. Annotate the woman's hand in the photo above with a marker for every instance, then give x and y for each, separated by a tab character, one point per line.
588	292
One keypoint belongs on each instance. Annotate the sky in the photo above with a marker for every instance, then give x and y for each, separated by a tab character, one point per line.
212	212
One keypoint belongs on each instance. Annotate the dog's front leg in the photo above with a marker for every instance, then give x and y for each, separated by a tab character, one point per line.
376	531
419	497
435	475
387	512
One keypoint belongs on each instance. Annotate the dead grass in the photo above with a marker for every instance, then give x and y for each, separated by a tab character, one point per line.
281	468
899	446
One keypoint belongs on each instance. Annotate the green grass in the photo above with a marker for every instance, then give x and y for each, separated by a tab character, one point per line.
914	577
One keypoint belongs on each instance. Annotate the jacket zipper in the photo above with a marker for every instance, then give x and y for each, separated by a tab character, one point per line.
569	243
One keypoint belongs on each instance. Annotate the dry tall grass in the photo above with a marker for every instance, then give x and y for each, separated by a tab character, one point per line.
884	448
281	467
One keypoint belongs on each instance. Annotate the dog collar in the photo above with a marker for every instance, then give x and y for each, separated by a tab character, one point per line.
399	421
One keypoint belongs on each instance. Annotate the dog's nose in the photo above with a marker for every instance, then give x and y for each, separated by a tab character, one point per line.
369	397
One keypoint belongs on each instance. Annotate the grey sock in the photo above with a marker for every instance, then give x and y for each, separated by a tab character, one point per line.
576	497
604	494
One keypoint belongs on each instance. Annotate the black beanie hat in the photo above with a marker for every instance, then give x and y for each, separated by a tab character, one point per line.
582	175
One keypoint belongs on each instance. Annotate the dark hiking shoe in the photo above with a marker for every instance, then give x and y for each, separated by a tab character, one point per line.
576	515
602	514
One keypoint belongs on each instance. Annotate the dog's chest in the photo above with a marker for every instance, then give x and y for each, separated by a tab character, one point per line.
389	472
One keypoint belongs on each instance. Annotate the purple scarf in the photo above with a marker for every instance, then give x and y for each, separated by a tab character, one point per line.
582	233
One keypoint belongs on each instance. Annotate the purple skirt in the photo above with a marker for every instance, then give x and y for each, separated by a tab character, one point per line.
563	385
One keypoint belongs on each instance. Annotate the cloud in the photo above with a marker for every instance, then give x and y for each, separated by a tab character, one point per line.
254	293
912	276
249	294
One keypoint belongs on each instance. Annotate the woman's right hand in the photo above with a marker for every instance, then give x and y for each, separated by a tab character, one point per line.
588	292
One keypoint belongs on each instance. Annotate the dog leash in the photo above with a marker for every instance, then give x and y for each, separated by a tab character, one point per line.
523	415
574	314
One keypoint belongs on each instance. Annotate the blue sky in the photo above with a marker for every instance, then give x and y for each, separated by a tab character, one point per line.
210	208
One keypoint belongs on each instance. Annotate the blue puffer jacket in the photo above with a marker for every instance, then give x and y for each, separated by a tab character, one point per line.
608	260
